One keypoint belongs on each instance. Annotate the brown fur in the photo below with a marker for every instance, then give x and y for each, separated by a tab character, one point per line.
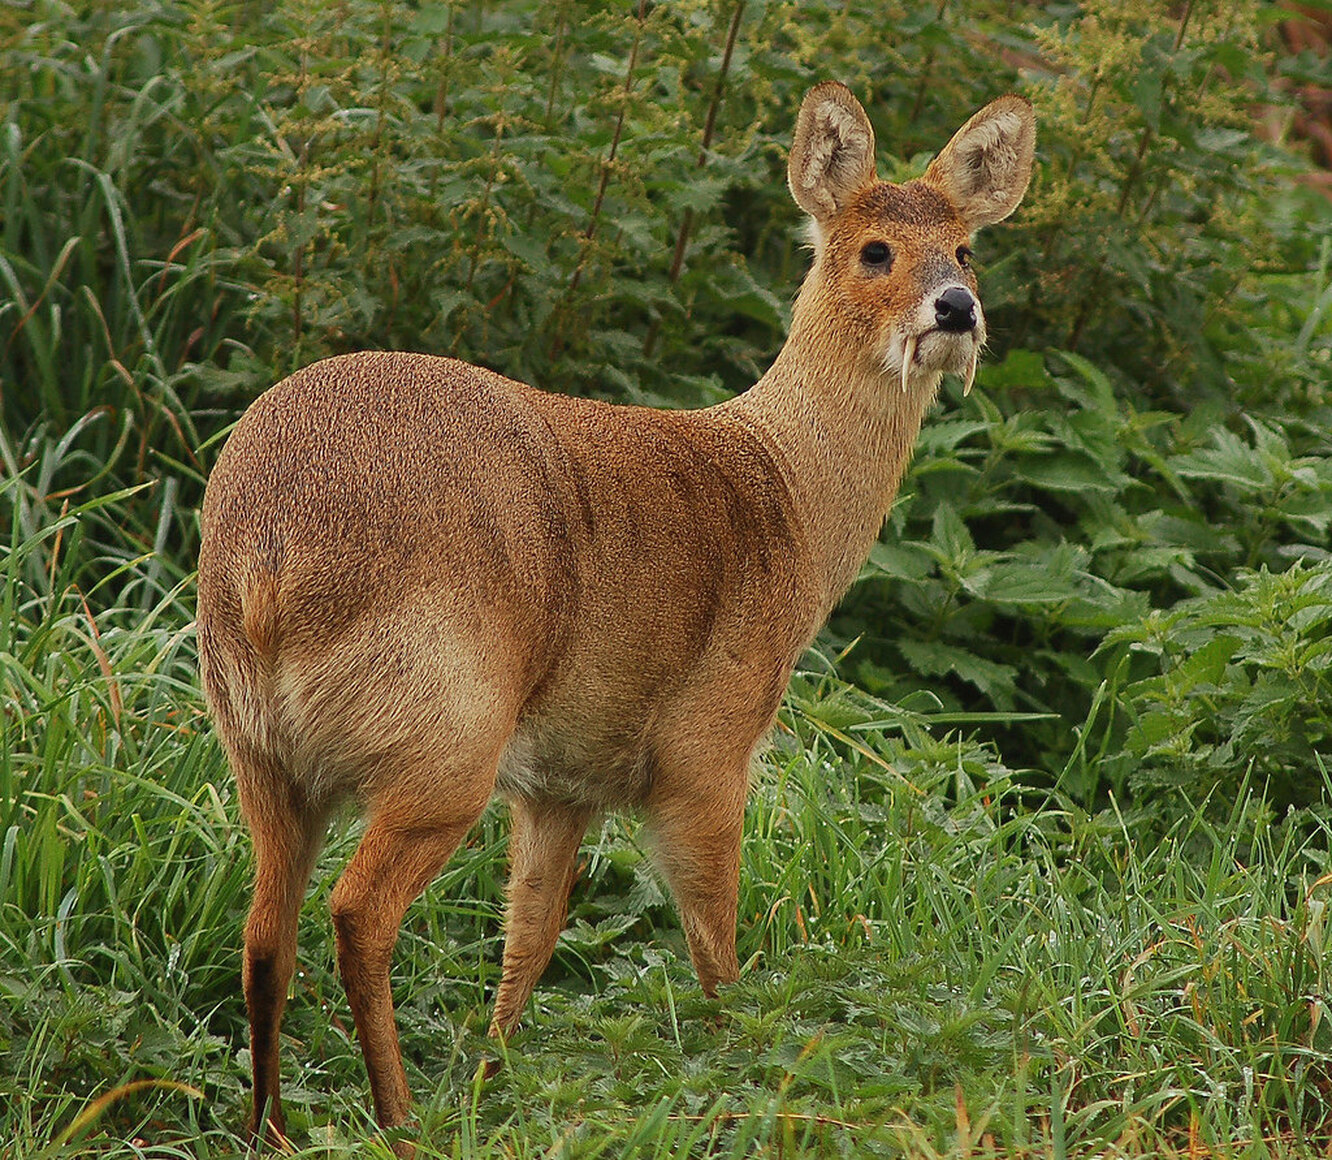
422	583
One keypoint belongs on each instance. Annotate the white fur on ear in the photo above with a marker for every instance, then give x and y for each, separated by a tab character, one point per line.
832	151
985	168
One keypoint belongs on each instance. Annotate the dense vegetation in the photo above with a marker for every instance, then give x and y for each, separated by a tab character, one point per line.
1040	856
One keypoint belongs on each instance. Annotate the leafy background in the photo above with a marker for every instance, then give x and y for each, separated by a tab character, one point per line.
1094	639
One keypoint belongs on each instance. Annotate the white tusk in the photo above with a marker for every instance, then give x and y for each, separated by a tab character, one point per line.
971	374
908	353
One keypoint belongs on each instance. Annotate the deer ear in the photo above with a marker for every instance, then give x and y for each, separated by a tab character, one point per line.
832	152
985	168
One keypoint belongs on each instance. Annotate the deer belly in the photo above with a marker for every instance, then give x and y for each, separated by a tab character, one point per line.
600	768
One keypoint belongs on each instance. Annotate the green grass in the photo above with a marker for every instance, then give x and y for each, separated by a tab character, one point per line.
1053	881
937	961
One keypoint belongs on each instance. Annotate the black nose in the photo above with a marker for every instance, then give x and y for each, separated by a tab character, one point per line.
955	310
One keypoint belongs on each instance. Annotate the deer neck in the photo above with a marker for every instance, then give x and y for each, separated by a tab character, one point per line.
843	429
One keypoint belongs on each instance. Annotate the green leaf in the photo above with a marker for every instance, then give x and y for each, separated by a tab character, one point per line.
951	536
936	659
898	561
1206	666
1026	583
1068	471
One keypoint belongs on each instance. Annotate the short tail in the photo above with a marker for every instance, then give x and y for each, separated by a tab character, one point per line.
238	645
259	613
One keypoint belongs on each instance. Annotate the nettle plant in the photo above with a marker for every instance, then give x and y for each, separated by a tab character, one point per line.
581	196
1244	691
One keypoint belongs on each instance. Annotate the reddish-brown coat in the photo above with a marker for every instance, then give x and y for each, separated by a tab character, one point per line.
422	584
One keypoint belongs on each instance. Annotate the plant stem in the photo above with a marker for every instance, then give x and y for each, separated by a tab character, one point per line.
485	199
555	62
925	72
606	166
442	89
1126	191
709	128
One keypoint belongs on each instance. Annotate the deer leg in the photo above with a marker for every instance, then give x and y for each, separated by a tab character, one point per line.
399	854
697	832
544	850
286	834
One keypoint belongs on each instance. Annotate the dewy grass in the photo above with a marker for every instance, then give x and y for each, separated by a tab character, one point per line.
933	966
936	962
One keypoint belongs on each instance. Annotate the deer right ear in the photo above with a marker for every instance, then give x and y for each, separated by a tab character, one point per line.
832	152
985	168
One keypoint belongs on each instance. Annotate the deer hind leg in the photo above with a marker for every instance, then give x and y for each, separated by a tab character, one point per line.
544	846
286	832
697	823
405	845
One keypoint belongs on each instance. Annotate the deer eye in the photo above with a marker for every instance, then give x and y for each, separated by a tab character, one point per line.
877	254
964	257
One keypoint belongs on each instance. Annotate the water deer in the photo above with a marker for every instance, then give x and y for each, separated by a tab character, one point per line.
423	584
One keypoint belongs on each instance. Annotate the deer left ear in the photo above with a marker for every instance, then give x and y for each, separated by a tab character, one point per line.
985	168
832	152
